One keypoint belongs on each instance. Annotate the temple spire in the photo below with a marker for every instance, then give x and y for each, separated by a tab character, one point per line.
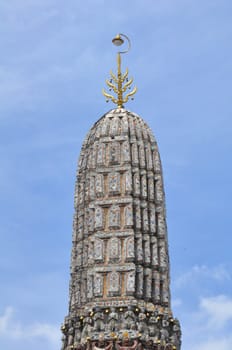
120	83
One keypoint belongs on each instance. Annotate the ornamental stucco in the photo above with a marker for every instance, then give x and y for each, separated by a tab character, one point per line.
119	288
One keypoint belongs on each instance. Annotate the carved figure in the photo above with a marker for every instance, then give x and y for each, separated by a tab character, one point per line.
142	325
98	321
129	319
113	320
87	328
102	344
127	344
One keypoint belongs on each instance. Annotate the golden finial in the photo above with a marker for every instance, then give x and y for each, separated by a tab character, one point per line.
120	83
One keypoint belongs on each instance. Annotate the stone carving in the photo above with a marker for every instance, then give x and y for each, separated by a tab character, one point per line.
147	250
98	321
154	251
136	184
99	185
152	218
114	155
114	216
114	183
139	281
142	324
128	216
87	328
128	182
129	319
119	289
101	154
114	283
114	126
98	249
98	285
126	151
139	249
162	254
130	250
151	189
113	320
89	285
114	249
145	220
92	188
144	186
141	156
135	156
99	218
130	282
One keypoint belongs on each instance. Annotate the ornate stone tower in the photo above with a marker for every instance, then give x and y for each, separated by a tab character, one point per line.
119	289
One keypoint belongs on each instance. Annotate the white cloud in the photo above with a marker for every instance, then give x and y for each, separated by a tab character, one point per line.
12	328
217	273
218	310
209	327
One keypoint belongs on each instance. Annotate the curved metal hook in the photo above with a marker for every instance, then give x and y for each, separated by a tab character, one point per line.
129	43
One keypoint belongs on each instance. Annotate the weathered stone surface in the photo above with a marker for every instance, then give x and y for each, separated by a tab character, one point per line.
119	288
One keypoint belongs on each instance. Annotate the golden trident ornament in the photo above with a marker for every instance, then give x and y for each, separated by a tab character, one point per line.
120	83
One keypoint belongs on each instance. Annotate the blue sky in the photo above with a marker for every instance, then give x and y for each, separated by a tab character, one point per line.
55	57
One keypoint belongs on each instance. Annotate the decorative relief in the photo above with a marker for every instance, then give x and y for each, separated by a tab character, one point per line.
114	183
139	281
130	282
148	280
99	217
154	251
149	157
114	126
124	125
157	162
105	127
113	283
136	183
157	286
79	254
98	284
99	185
89	285
144	186
101	154
138	222
139	249
98	249
90	220
114	216
152	218
141	156
92	158
130	249
128	215
126	152
135	156
91	188
90	252
114	153
163	259
128	182
147	250
145	220
161	226
114	249
165	291
158	189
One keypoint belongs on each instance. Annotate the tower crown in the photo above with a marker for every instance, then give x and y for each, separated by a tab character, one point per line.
119	288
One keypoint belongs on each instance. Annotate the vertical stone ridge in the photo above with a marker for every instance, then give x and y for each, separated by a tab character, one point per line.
120	281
